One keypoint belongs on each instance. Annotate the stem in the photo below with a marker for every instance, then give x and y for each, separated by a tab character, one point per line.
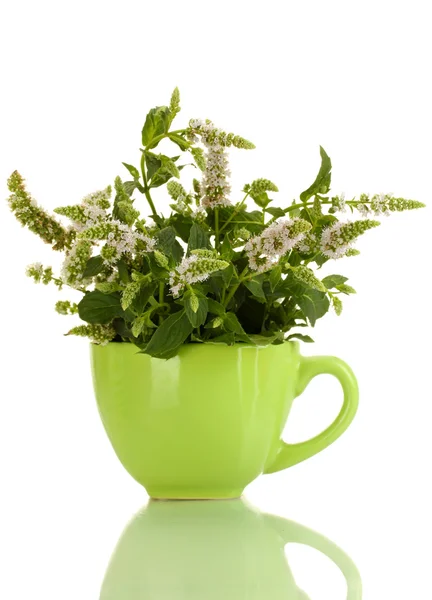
237	210
146	188
161	292
303	204
157	139
217	227
161	299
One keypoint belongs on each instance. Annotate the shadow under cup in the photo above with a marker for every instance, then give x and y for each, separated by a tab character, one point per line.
213	550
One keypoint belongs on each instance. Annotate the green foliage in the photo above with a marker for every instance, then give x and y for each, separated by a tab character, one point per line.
321	185
170	335
215	270
97	307
198	238
155	125
196	308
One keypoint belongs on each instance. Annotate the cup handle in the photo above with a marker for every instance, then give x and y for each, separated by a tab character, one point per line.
291	532
291	454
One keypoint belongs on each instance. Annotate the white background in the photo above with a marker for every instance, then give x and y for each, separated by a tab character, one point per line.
77	80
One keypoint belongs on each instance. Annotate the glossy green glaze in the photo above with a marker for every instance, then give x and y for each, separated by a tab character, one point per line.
213	551
207	422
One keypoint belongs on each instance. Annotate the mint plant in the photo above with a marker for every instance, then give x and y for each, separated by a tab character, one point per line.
213	270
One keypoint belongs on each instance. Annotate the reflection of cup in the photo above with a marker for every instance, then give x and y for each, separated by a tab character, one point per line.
212	551
207	422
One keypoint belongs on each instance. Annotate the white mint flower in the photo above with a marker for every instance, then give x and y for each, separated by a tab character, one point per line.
379	204
339	203
363	209
308	244
35	270
275	241
332	244
192	269
74	264
215	186
91	211
337	239
124	240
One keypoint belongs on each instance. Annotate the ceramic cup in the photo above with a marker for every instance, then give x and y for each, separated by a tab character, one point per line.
207	422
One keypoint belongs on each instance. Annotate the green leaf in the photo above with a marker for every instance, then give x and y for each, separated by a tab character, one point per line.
332	281
275	211
156	123
153	163
132	170
226	250
167	243
180	141
94	266
96	307
300	336
266	340
227	274
199	157
346	289
256	289
198	238
169	336
141	300
275	277
231	323
123	271
215	308
182	225
261	199
199	316
169	165
164	173
138	325
214	323
130	186
337	305
321	185
225	338
314	305
108	287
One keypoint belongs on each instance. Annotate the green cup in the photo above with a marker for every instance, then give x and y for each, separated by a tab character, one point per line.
207	422
214	551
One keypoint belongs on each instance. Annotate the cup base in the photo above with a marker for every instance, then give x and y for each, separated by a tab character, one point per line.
161	495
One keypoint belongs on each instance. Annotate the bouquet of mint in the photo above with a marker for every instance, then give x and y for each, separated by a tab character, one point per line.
214	270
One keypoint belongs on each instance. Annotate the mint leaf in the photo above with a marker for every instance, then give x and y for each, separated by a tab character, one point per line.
231	323
199	316
215	308
97	307
256	289
300	336
313	304
169	336
156	123
198	238
332	281
321	185
94	266
180	141
132	170
275	211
